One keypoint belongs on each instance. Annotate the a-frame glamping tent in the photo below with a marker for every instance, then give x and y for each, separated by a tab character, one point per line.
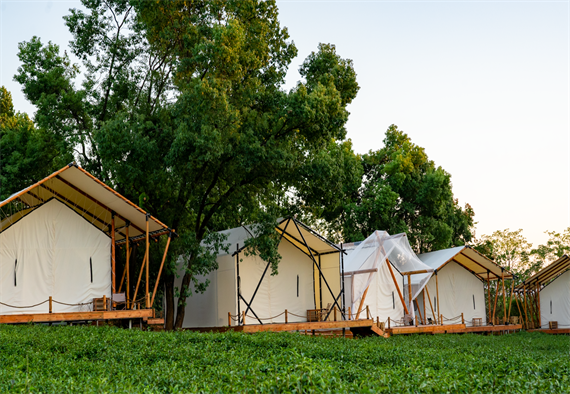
58	239
546	296
377	275
457	285
308	278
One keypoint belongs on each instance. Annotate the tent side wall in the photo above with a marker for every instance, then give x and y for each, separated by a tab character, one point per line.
210	309
291	289
58	254
459	292
555	302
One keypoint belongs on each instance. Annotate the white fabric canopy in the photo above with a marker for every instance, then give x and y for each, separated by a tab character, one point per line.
53	251
364	262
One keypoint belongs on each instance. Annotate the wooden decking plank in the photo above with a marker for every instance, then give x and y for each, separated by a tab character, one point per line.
308	325
75	316
552	331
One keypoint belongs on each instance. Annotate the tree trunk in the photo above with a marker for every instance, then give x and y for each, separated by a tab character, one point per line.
181	307
169	296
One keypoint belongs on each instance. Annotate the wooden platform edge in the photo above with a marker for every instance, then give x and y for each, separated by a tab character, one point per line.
556	331
308	325
452	329
75	316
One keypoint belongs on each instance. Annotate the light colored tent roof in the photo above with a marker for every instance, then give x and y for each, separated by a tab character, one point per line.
546	274
470	259
89	197
292	230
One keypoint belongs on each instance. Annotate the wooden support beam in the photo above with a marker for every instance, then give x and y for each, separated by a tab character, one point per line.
140	277
525	307
437	297
127	269
515	295
430	305
511	299
113	276
495	304
424	303
160	270
504	298
538	304
361	303
488	298
397	287
147	271
410	292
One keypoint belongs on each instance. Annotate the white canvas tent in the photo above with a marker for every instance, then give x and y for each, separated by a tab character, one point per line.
554	284
308	278
58	239
459	276
370	281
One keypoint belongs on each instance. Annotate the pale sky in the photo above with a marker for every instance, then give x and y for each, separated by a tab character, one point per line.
483	86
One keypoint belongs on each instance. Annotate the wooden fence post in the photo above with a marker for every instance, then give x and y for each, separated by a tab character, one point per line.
50	305
229	319
286	317
462	319
243	318
349	314
334	312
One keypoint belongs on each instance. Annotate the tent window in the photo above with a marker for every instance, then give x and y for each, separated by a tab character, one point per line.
15	268
435	304
297	285
551	307
473	301
91	269
393	301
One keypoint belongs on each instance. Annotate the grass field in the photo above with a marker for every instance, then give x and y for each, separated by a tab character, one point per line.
110	360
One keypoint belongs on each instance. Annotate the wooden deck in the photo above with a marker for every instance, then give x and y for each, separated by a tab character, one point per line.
144	314
360	327
451	329
559	331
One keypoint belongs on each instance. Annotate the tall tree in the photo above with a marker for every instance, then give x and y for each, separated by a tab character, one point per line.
27	154
182	108
510	250
558	244
403	191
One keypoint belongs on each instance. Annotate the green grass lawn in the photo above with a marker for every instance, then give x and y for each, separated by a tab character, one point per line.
111	360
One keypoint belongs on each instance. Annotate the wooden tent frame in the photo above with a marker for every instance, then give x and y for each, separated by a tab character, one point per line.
312	254
123	230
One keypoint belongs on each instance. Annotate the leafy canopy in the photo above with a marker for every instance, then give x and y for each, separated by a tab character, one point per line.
182	108
403	191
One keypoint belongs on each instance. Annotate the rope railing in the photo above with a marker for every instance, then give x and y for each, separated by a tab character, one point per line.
24	307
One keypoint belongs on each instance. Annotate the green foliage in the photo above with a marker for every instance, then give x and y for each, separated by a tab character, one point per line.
27	153
509	249
558	244
403	191
90	359
182	108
